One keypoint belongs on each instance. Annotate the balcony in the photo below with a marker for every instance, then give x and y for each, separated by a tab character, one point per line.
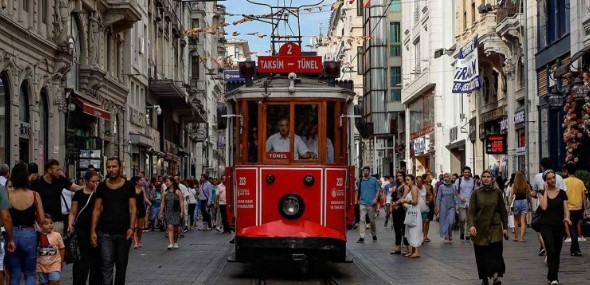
120	14
508	19
508	9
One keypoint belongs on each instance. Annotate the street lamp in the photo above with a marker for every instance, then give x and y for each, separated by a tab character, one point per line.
157	108
555	99
579	90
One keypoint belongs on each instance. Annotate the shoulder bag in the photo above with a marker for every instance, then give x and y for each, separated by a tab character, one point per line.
71	239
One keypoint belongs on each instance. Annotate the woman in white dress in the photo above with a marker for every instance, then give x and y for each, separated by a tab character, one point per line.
413	233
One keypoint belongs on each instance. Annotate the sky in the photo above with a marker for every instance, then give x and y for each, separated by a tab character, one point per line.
310	21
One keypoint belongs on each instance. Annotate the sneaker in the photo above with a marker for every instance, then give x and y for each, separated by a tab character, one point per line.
175	245
218	229
467	238
185	230
581	238
169	246
542	252
462	237
385	225
368	226
577	253
374	238
554	282
361	240
568	240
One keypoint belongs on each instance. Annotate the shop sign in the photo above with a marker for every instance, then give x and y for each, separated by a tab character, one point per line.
493	114
503	124
496	144
519	117
24	130
520	151
421	145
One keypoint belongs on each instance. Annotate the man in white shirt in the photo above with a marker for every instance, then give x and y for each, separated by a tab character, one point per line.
221	202
312	144
4	171
280	142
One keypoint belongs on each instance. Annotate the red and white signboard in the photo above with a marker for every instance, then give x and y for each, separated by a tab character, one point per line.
290	60
278	155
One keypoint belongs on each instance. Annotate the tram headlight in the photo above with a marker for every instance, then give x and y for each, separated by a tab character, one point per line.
291	206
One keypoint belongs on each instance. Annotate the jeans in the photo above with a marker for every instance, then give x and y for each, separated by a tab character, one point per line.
191	214
114	252
205	213
89	262
575	216
370	212
24	260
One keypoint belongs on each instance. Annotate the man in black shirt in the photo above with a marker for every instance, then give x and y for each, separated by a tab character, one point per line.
113	222
49	187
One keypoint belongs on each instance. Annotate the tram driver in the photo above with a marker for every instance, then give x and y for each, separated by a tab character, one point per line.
280	142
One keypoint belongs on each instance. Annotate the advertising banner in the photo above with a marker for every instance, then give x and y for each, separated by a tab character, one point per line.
466	77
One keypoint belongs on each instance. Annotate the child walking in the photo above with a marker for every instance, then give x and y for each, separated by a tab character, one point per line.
51	254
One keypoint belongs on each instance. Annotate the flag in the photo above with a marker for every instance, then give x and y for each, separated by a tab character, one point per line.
337	4
366	3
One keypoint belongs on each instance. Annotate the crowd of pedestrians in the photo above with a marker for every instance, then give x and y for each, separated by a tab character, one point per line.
482	209
107	216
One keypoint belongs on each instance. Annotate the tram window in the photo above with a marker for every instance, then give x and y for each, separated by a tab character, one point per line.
307	127
278	141
252	131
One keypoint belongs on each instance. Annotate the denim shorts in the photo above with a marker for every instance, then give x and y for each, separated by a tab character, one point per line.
520	207
51	276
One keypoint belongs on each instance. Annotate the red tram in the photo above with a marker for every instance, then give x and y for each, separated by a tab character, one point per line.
289	173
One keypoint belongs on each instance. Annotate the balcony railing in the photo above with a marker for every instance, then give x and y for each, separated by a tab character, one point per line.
507	9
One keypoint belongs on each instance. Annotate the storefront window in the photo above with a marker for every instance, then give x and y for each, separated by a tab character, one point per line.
25	126
4	118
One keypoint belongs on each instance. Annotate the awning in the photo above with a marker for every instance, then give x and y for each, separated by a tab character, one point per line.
93	110
564	67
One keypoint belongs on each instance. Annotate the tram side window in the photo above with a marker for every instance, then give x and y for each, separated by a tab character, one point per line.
330	132
306	126
252	131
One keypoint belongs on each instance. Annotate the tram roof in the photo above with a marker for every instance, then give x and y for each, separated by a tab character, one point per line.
277	87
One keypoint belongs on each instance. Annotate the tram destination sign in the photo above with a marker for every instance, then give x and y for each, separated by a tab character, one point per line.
289	60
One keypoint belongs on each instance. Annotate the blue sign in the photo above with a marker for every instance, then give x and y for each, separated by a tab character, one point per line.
232	75
466	77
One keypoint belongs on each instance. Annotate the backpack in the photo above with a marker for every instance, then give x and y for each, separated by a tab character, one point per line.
459	186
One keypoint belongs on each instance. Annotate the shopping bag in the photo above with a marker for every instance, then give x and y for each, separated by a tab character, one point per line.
511	221
411	219
72	248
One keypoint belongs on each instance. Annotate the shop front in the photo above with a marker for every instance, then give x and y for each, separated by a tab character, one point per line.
493	122
422	153
85	134
421	121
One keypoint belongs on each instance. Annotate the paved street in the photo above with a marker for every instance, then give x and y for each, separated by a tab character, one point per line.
201	259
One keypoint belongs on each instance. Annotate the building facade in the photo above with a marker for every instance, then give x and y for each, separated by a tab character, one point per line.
498	107
63	88
433	114
381	99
